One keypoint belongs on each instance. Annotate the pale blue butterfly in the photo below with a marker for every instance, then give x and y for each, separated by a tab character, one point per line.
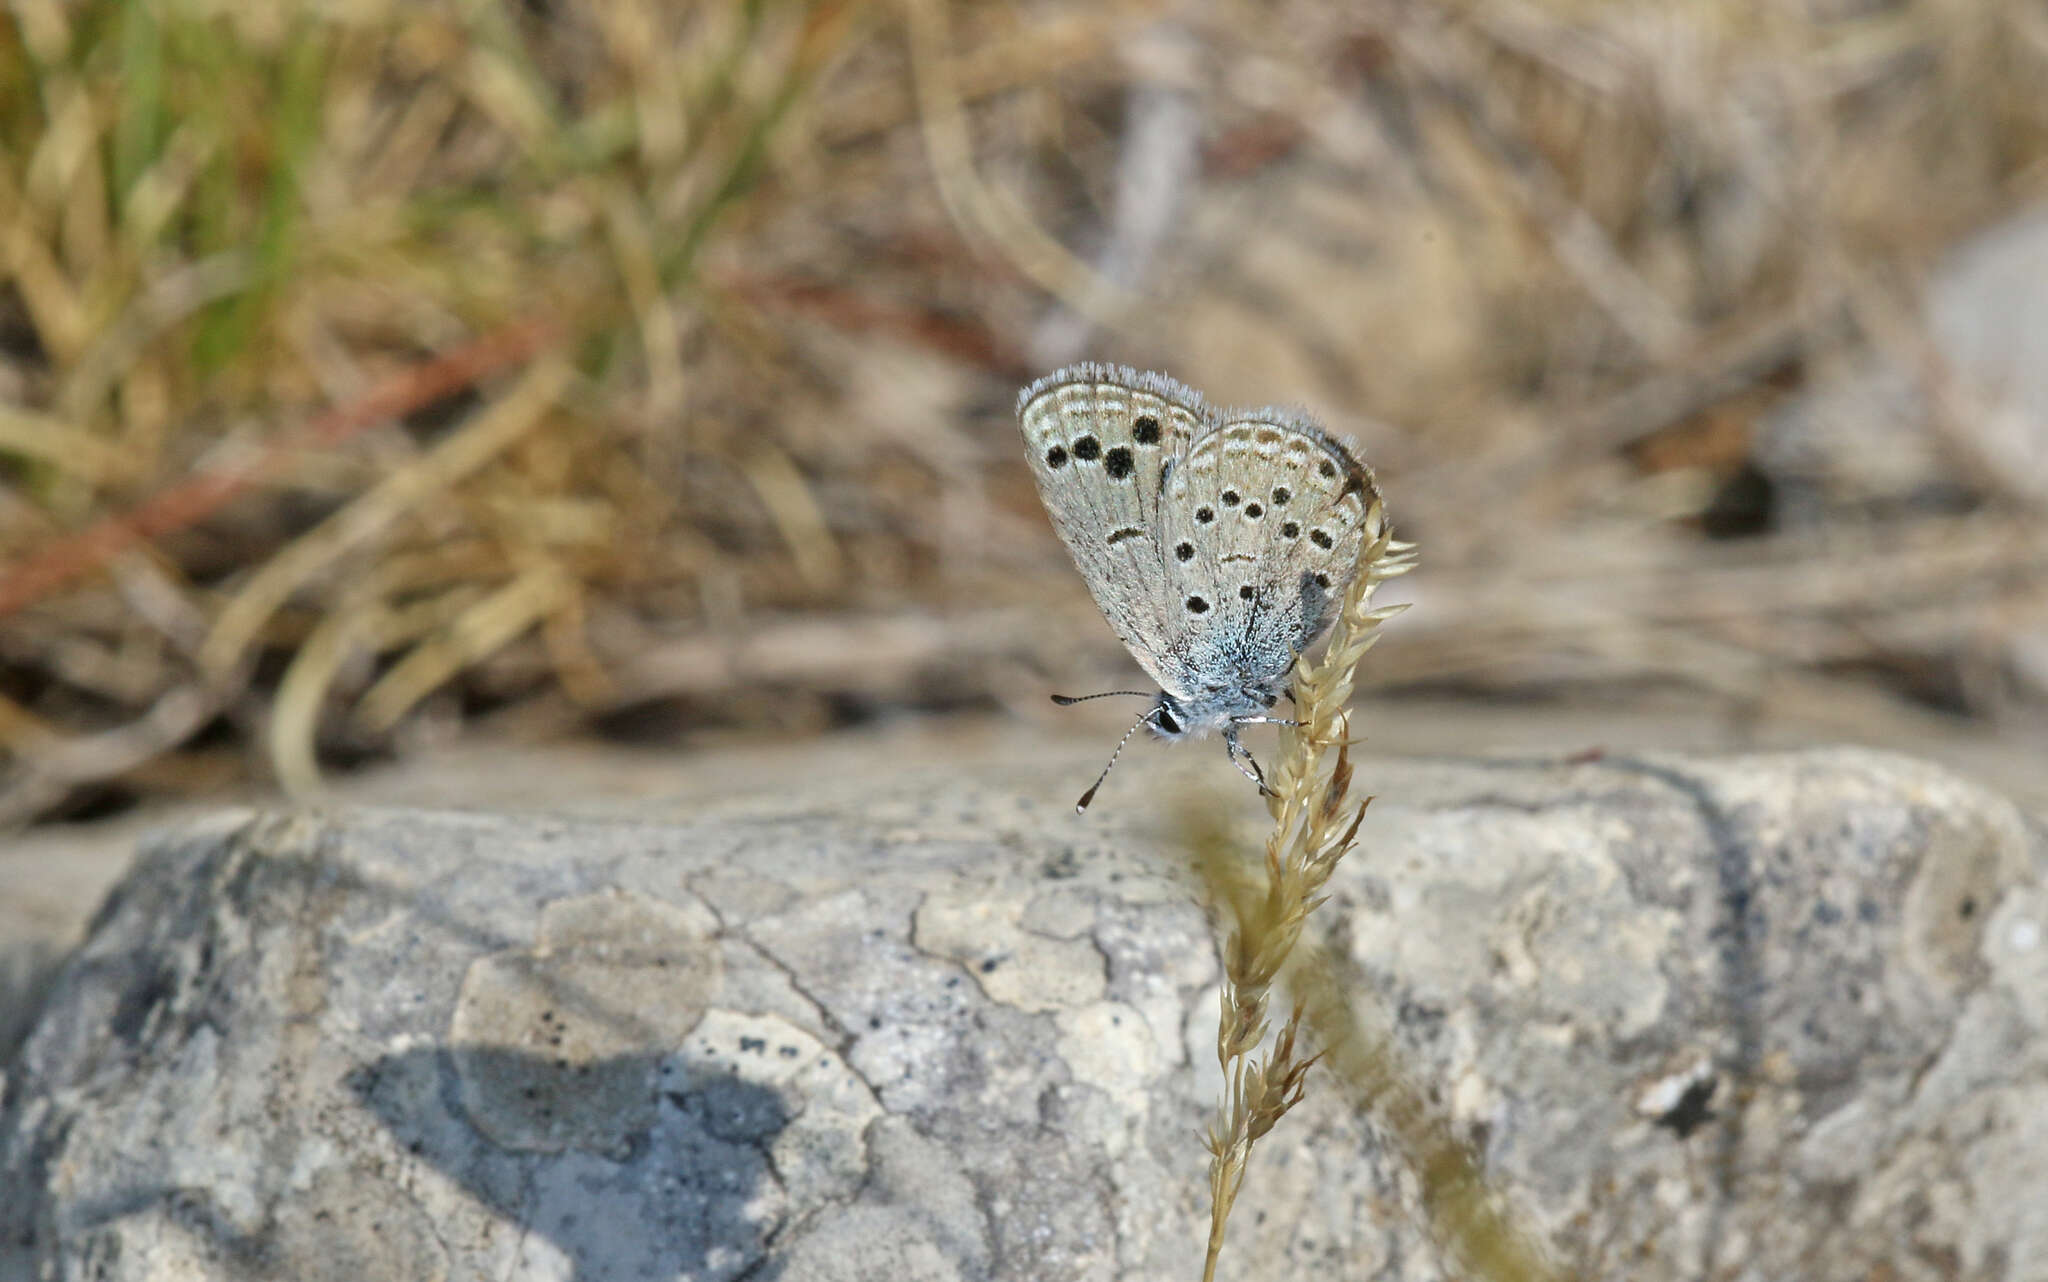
1217	543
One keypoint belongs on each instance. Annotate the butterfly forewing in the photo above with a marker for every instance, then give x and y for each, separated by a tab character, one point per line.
1102	440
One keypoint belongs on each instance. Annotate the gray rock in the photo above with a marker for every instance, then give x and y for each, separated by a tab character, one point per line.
1859	438
1987	315
1765	1017
1866	434
50	882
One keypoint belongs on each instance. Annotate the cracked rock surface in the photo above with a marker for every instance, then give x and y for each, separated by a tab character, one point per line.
1757	1017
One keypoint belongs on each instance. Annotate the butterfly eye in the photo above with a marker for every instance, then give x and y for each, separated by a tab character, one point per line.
1146	430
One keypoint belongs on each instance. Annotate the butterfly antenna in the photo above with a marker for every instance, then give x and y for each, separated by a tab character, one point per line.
1089	795
1069	700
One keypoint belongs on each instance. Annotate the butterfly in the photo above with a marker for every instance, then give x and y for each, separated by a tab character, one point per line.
1217	543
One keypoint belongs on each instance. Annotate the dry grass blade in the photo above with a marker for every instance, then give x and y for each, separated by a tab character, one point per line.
473	636
1313	825
516	413
215	222
295	710
48	439
193	499
974	206
783	241
796	513
55	768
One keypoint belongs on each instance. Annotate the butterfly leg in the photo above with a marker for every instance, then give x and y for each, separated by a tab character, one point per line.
1247	765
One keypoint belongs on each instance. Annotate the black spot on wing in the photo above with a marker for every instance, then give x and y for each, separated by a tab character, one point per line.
1127	532
1117	463
1087	449
1145	431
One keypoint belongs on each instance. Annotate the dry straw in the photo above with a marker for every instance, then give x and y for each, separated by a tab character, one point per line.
1314	825
242	246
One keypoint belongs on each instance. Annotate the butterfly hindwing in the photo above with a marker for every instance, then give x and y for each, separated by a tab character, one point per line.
1262	526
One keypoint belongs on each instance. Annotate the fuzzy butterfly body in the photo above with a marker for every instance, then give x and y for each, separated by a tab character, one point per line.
1217	543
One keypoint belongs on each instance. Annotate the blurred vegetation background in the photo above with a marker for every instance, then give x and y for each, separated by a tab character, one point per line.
373	372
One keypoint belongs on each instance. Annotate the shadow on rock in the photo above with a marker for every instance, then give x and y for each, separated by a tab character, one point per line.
621	1167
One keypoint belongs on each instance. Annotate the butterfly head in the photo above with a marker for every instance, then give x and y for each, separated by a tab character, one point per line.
1169	719
1176	717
